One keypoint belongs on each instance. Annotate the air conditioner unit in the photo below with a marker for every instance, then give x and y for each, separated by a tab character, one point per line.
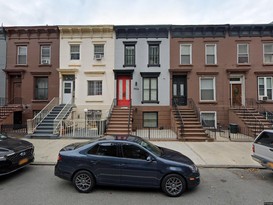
98	56
263	98
45	61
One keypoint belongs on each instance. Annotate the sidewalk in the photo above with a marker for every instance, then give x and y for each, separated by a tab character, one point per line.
203	154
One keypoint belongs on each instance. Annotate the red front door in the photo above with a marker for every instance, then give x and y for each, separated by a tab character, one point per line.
124	90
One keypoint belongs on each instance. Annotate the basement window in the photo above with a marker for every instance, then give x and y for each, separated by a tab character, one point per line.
150	119
208	119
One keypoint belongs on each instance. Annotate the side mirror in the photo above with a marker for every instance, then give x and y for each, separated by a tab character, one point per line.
150	158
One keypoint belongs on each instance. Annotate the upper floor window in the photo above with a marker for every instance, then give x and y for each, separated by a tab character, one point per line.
98	51
74	52
242	53
41	88
153	54
45	54
211	57
265	87
22	55
268	53
130	55
185	54
94	87
207	88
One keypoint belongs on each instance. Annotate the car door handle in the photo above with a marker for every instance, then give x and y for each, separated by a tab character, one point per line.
93	162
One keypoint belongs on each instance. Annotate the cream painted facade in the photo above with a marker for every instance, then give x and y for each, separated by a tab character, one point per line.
87	69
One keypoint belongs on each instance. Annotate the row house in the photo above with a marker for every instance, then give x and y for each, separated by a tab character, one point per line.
220	67
2	65
86	69
32	79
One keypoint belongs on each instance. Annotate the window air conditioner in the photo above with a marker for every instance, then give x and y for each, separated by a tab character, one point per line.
45	61
98	56
263	98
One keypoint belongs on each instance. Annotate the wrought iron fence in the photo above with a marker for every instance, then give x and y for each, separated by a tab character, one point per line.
14	129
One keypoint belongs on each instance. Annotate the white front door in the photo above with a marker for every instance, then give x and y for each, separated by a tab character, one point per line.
67	91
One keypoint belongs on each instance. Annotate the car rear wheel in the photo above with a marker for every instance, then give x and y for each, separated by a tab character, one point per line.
173	185
84	181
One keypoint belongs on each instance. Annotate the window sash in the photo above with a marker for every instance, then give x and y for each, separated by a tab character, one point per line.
153	54
265	87
242	53
99	49
208	119
129	55
41	88
22	55
185	54
150	89
94	88
211	54
268	53
150	119
74	52
207	89
45	54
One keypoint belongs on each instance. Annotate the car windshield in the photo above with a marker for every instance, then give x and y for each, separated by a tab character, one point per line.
149	146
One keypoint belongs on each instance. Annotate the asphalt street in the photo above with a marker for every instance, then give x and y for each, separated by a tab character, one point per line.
37	185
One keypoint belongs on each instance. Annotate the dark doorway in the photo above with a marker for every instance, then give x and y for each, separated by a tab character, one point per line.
180	90
17	118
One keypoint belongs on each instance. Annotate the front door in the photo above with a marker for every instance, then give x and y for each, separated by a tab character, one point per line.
236	94
124	90
67	91
180	90
16	97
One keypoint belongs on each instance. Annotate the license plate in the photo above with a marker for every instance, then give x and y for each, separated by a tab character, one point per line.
23	161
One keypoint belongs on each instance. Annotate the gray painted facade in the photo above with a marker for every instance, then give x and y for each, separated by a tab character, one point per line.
141	37
3	46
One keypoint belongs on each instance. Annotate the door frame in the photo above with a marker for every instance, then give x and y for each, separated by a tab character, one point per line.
63	87
119	102
185	97
241	81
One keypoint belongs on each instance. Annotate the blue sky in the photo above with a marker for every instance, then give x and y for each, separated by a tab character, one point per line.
124	12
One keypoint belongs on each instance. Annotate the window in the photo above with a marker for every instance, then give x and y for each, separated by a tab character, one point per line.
134	152
150	90
104	149
207	88
268	53
74	52
95	87
129	58
265	88
208	119
45	54
150	119
153	54
41	88
98	51
185	52
242	53
211	54
266	138
22	55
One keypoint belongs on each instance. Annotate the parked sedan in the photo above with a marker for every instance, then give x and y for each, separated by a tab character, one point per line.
14	154
126	161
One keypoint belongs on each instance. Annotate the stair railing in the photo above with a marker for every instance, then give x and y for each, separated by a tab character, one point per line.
261	109
129	118
175	106
59	118
193	106
114	103
33	123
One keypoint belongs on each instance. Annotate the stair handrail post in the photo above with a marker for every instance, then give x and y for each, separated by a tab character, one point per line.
59	118
129	117
34	122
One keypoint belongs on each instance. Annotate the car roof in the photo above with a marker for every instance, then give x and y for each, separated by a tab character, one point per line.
129	138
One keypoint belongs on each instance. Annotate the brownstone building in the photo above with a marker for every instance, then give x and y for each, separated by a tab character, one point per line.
220	68
31	76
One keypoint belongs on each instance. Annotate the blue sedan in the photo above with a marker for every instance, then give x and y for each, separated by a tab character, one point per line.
126	161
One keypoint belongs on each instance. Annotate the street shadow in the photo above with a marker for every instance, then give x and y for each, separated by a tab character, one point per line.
15	175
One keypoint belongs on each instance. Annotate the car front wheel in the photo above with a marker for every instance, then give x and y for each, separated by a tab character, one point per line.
84	181
173	185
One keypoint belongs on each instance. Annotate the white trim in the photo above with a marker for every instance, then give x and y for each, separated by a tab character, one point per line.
267	53
215	117
186	44
242	82
214	88
215	54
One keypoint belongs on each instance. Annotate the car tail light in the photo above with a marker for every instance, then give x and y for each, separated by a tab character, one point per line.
253	148
59	158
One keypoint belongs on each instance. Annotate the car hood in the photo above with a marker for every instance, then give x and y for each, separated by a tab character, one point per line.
175	156
14	144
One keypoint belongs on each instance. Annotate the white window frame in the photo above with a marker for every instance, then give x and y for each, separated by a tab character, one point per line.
99	53
190	45
46	59
96	85
18	54
209	112
238	53
260	97
270	53
75	52
215	54
214	89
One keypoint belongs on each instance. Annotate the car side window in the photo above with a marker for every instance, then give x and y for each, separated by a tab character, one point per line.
266	139
104	149
134	152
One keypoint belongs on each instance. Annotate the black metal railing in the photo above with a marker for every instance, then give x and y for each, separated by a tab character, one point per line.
193	106
114	103
17	129
129	118
181	122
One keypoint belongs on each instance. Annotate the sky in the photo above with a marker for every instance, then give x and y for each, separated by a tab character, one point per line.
134	12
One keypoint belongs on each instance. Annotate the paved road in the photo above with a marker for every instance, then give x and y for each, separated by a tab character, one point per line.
37	185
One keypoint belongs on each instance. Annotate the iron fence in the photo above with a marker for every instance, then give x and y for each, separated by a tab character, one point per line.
14	129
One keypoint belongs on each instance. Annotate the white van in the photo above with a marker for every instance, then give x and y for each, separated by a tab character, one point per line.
263	149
